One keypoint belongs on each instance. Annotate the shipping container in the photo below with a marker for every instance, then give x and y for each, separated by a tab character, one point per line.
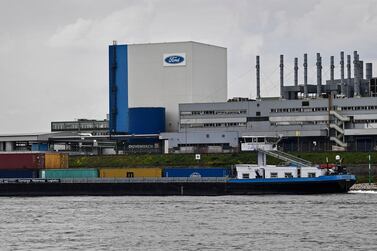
68	173
22	160
19	173
196	172
137	172
56	160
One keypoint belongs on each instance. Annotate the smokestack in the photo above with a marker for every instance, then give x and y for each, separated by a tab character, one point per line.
296	71
332	66
348	75
368	71
319	75
305	75
342	85
356	75
258	78
281	76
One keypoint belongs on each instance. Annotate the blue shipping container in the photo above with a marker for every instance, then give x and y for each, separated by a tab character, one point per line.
36	147
195	172
28	174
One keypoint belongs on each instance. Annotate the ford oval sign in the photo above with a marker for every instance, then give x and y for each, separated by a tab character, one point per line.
174	59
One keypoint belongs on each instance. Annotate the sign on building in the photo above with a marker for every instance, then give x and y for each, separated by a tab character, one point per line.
174	59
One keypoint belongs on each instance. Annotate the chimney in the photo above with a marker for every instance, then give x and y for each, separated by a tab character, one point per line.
332	66
296	72
319	75
282	76
356	75
342	85
305	75
258	78
368	71
348	76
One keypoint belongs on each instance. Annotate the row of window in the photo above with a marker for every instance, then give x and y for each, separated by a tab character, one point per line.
238	124
356	108
366	121
76	126
314	109
275	175
214	112
289	123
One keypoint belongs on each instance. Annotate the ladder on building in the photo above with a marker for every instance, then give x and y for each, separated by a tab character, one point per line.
286	157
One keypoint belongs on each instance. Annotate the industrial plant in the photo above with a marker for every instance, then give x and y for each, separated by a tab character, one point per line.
172	98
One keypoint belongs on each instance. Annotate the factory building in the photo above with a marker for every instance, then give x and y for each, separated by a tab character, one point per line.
163	75
338	115
91	126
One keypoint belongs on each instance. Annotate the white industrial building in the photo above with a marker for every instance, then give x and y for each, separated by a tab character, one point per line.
168	74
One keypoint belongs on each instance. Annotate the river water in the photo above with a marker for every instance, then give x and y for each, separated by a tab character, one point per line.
317	222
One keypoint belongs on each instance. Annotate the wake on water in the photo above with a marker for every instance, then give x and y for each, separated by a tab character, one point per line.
363	191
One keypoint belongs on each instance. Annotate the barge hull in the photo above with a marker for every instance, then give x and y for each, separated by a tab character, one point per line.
189	188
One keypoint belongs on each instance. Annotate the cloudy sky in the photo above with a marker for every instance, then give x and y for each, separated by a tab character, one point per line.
53	54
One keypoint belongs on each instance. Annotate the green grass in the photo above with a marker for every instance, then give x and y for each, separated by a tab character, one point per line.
365	179
222	159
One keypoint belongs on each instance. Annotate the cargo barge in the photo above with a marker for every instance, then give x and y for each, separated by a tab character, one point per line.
175	186
38	177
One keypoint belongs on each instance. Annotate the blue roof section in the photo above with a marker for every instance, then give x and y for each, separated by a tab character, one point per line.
287	180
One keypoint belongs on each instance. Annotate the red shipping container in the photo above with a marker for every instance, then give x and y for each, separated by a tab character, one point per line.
22	160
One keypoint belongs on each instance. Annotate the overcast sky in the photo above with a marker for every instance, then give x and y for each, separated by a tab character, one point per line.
53	54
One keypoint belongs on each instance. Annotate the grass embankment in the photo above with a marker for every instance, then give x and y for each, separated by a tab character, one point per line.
221	159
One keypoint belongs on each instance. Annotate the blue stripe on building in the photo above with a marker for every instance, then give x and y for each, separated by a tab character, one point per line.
118	88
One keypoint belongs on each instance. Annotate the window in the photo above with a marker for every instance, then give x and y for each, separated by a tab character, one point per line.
288	175
274	175
305	103
257	114
245	176
311	175
130	174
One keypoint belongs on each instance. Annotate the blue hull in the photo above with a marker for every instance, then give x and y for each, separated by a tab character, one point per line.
165	187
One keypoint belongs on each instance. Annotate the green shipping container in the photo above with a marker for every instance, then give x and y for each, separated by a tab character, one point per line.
77	173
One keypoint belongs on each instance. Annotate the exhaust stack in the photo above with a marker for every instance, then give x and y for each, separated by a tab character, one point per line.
332	67
319	75
342	85
282	76
356	75
368	71
258	78
305	75
296	72
348	75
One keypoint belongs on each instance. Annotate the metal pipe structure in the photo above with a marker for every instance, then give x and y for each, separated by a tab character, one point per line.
332	67
348	75
282	76
342	84
368	71
258	78
296	72
319	75
356	75
361	72
305	75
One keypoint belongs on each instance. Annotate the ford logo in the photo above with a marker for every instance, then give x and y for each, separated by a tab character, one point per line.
174	59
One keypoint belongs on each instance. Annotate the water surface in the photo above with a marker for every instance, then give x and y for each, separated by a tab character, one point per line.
319	222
